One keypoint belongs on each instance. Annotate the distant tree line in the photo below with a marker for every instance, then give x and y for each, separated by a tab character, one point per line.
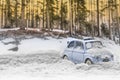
86	17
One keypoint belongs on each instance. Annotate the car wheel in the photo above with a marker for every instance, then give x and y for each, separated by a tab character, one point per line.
89	62
65	57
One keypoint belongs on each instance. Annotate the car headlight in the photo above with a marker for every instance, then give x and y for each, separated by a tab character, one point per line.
112	56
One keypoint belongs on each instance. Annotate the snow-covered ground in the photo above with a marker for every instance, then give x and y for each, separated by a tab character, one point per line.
9	29
32	46
39	59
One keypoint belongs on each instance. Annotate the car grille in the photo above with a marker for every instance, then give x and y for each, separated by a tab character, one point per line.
106	59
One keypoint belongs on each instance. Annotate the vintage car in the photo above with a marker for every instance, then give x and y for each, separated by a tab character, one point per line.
89	51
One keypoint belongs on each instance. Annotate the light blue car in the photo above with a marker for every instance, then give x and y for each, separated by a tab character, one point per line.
87	51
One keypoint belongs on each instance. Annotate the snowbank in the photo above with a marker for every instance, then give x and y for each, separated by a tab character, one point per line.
112	47
35	45
40	60
9	29
51	45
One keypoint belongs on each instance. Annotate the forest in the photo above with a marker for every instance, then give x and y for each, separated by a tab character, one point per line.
85	17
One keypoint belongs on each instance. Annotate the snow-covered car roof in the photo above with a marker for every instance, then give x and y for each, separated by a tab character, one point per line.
84	40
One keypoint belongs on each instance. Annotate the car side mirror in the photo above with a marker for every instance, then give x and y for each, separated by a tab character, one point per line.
68	42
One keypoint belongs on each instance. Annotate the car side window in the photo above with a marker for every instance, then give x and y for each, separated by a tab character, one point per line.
79	45
71	45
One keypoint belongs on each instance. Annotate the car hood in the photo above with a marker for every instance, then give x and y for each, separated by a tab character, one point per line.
98	51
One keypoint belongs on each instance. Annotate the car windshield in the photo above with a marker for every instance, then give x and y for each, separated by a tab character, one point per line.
93	44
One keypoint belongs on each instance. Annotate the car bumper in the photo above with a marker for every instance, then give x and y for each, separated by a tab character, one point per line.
104	60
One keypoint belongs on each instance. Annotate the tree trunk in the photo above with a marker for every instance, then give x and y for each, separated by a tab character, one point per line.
109	20
98	24
70	16
47	16
7	13
22	27
16	7
1	15
61	26
43	13
118	30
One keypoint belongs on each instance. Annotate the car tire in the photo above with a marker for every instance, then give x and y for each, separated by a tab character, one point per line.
89	62
65	57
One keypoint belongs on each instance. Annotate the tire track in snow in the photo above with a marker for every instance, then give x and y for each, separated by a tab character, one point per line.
47	58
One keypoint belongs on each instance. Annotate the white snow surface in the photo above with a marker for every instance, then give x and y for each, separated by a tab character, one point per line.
39	59
9	29
32	46
61	31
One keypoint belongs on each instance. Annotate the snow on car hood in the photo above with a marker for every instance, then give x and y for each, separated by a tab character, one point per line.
98	51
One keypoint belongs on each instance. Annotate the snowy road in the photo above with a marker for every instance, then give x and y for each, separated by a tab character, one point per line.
50	66
29	58
54	59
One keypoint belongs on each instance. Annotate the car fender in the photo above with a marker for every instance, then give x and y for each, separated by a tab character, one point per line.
88	56
66	53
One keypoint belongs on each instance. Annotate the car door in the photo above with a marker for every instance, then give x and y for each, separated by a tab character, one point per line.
69	50
78	52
